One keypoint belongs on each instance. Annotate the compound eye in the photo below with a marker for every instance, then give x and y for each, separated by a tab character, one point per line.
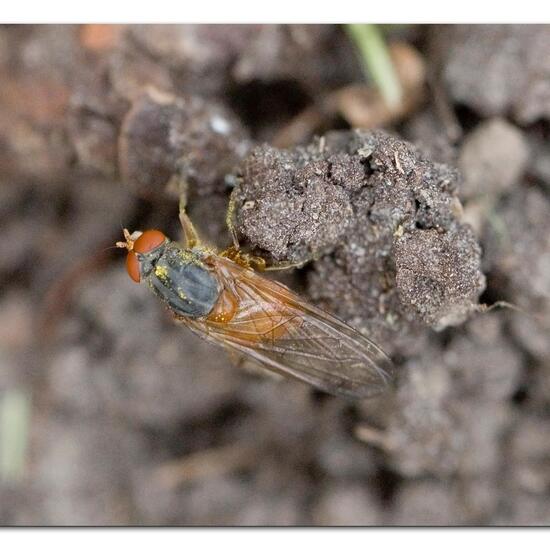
149	240
132	267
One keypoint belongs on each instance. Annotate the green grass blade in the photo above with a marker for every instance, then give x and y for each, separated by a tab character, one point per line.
377	61
14	433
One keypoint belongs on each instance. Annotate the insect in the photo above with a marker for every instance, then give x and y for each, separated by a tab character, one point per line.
222	298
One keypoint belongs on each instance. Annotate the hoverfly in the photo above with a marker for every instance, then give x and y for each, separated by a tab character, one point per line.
223	299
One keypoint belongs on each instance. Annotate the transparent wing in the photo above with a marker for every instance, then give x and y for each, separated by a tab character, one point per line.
274	326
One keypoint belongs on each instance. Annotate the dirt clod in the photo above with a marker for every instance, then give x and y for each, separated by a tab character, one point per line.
492	158
134	420
497	69
382	219
438	276
164	136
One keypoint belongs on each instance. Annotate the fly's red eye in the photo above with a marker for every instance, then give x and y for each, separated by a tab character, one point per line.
148	241
132	266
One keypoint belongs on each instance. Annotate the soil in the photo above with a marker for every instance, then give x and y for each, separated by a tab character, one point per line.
405	232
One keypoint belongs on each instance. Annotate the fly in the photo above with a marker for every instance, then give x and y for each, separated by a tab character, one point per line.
222	298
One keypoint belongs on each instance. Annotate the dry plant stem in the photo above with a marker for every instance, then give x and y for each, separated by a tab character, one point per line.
374	437
205	464
444	109
362	105
59	295
305	123
484	308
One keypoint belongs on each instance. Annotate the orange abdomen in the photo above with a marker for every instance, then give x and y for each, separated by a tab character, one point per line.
252	320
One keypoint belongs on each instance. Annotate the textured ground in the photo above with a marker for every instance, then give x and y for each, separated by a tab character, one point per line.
405	231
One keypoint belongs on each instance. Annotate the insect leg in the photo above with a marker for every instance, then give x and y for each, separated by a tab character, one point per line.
234	253
189	231
280	266
229	219
259	264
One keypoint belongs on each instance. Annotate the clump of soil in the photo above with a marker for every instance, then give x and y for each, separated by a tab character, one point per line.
488	170
185	138
136	421
496	69
382	220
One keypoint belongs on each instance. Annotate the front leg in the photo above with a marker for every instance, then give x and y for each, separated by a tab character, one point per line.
190	233
234	252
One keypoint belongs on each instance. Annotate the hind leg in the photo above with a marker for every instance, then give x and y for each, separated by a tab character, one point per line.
280	266
256	262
